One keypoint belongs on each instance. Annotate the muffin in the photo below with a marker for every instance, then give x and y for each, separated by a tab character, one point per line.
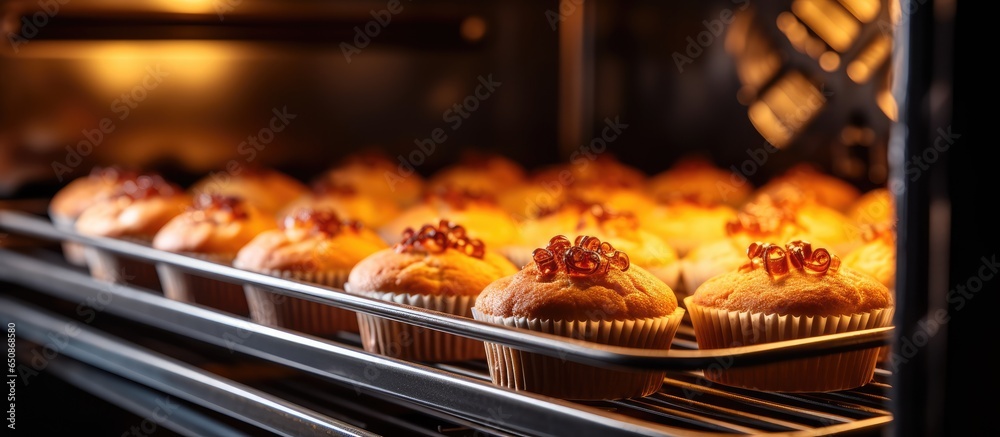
479	214
763	220
479	172
135	212
70	201
621	229
877	256
215	228
378	176
313	246
788	293
586	290
822	223
348	202
686	223
825	189
438	268
267	190
697	179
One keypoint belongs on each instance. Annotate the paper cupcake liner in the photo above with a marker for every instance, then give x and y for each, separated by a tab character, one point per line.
716	328
183	286
108	266
74	252
314	318
559	378
414	343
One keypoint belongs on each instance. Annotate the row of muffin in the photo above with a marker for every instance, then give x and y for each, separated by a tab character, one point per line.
675	223
304	247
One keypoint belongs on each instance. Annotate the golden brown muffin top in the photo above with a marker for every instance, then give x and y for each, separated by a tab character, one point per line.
807	180
584	280
348	202
309	241
138	208
795	280
479	214
479	173
215	224
376	174
267	189
874	207
438	260
877	256
81	193
696	179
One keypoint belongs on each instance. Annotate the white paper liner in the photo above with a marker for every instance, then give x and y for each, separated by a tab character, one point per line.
409	342
74	252
107	266
273	309
553	376
716	328
183	286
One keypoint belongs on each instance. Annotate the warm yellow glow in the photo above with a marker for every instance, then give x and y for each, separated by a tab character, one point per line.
829	20
117	64
785	108
756	58
815	47
473	28
829	61
786	20
185	6
895	13
887	103
863	10
870	59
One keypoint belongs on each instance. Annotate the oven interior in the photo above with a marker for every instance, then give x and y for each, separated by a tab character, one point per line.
185	88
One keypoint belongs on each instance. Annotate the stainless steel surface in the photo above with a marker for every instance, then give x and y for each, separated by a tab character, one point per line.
171	376
569	349
687	405
139	400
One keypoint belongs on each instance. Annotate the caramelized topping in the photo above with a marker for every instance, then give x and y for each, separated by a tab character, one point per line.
210	203
438	239
603	216
460	198
319	222
778	261
146	186
762	217
585	257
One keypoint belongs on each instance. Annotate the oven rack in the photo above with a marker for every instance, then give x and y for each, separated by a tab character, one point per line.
464	391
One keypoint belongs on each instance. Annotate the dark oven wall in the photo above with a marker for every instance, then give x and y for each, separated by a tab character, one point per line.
190	87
